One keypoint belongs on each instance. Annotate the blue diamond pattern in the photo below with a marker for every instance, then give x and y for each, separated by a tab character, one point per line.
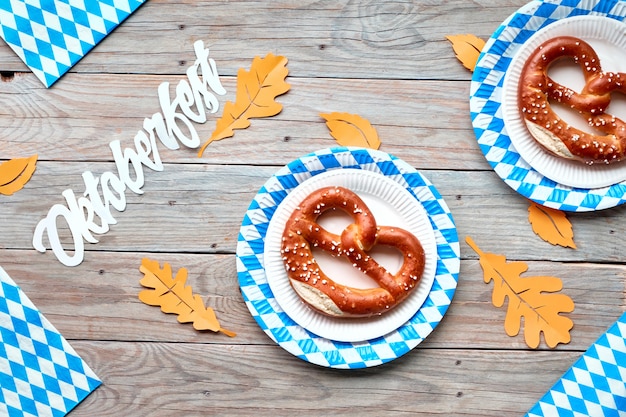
485	100
29	371
50	36
607	391
282	329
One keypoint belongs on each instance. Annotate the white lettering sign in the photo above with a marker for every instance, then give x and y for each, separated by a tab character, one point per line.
90	213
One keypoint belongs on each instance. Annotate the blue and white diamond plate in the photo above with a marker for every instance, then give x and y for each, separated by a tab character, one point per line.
50	36
40	373
595	385
486	106
297	340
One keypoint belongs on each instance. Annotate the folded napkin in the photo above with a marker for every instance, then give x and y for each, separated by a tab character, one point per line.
50	36
40	374
595	385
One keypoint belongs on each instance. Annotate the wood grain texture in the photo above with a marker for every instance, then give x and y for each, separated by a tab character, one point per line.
36	116
195	379
201	207
84	304
338	39
388	62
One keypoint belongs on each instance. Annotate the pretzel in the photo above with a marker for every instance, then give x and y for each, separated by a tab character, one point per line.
314	287
536	89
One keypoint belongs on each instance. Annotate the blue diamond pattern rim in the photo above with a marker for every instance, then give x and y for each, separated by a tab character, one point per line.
297	340
486	106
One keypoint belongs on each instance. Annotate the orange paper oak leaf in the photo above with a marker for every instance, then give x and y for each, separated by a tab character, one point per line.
256	94
467	49
351	130
551	225
15	173
532	299
174	297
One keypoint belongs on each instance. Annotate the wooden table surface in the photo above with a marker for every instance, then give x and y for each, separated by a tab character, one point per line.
390	63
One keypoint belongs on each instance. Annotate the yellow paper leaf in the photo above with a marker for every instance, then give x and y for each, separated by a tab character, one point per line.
533	299
351	130
551	225
467	49
15	173
256	94
174	297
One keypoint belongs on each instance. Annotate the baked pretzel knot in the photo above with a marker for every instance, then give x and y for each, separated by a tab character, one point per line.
302	233
536	89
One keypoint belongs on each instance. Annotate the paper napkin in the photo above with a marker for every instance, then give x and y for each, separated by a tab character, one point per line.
40	374
595	385
50	36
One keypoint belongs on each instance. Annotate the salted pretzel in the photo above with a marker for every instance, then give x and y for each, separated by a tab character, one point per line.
536	89
302	233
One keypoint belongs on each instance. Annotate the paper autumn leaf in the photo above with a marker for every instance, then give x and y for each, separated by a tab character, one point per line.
351	130
551	225
467	49
15	173
174	297
533	299
256	94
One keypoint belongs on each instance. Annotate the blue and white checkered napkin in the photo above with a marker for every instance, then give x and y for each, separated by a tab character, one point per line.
40	373
50	36
595	385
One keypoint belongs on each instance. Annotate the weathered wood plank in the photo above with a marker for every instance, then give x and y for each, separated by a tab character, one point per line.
150	379
200	209
78	118
84	301
342	39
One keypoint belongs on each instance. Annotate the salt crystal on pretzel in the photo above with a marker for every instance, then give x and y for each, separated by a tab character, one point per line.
302	233
536	89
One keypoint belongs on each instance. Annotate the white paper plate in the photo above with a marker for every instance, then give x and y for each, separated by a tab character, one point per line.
392	205
608	38
299	341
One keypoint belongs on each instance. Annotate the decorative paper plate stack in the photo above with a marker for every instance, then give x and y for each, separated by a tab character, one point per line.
594	385
502	136
397	194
